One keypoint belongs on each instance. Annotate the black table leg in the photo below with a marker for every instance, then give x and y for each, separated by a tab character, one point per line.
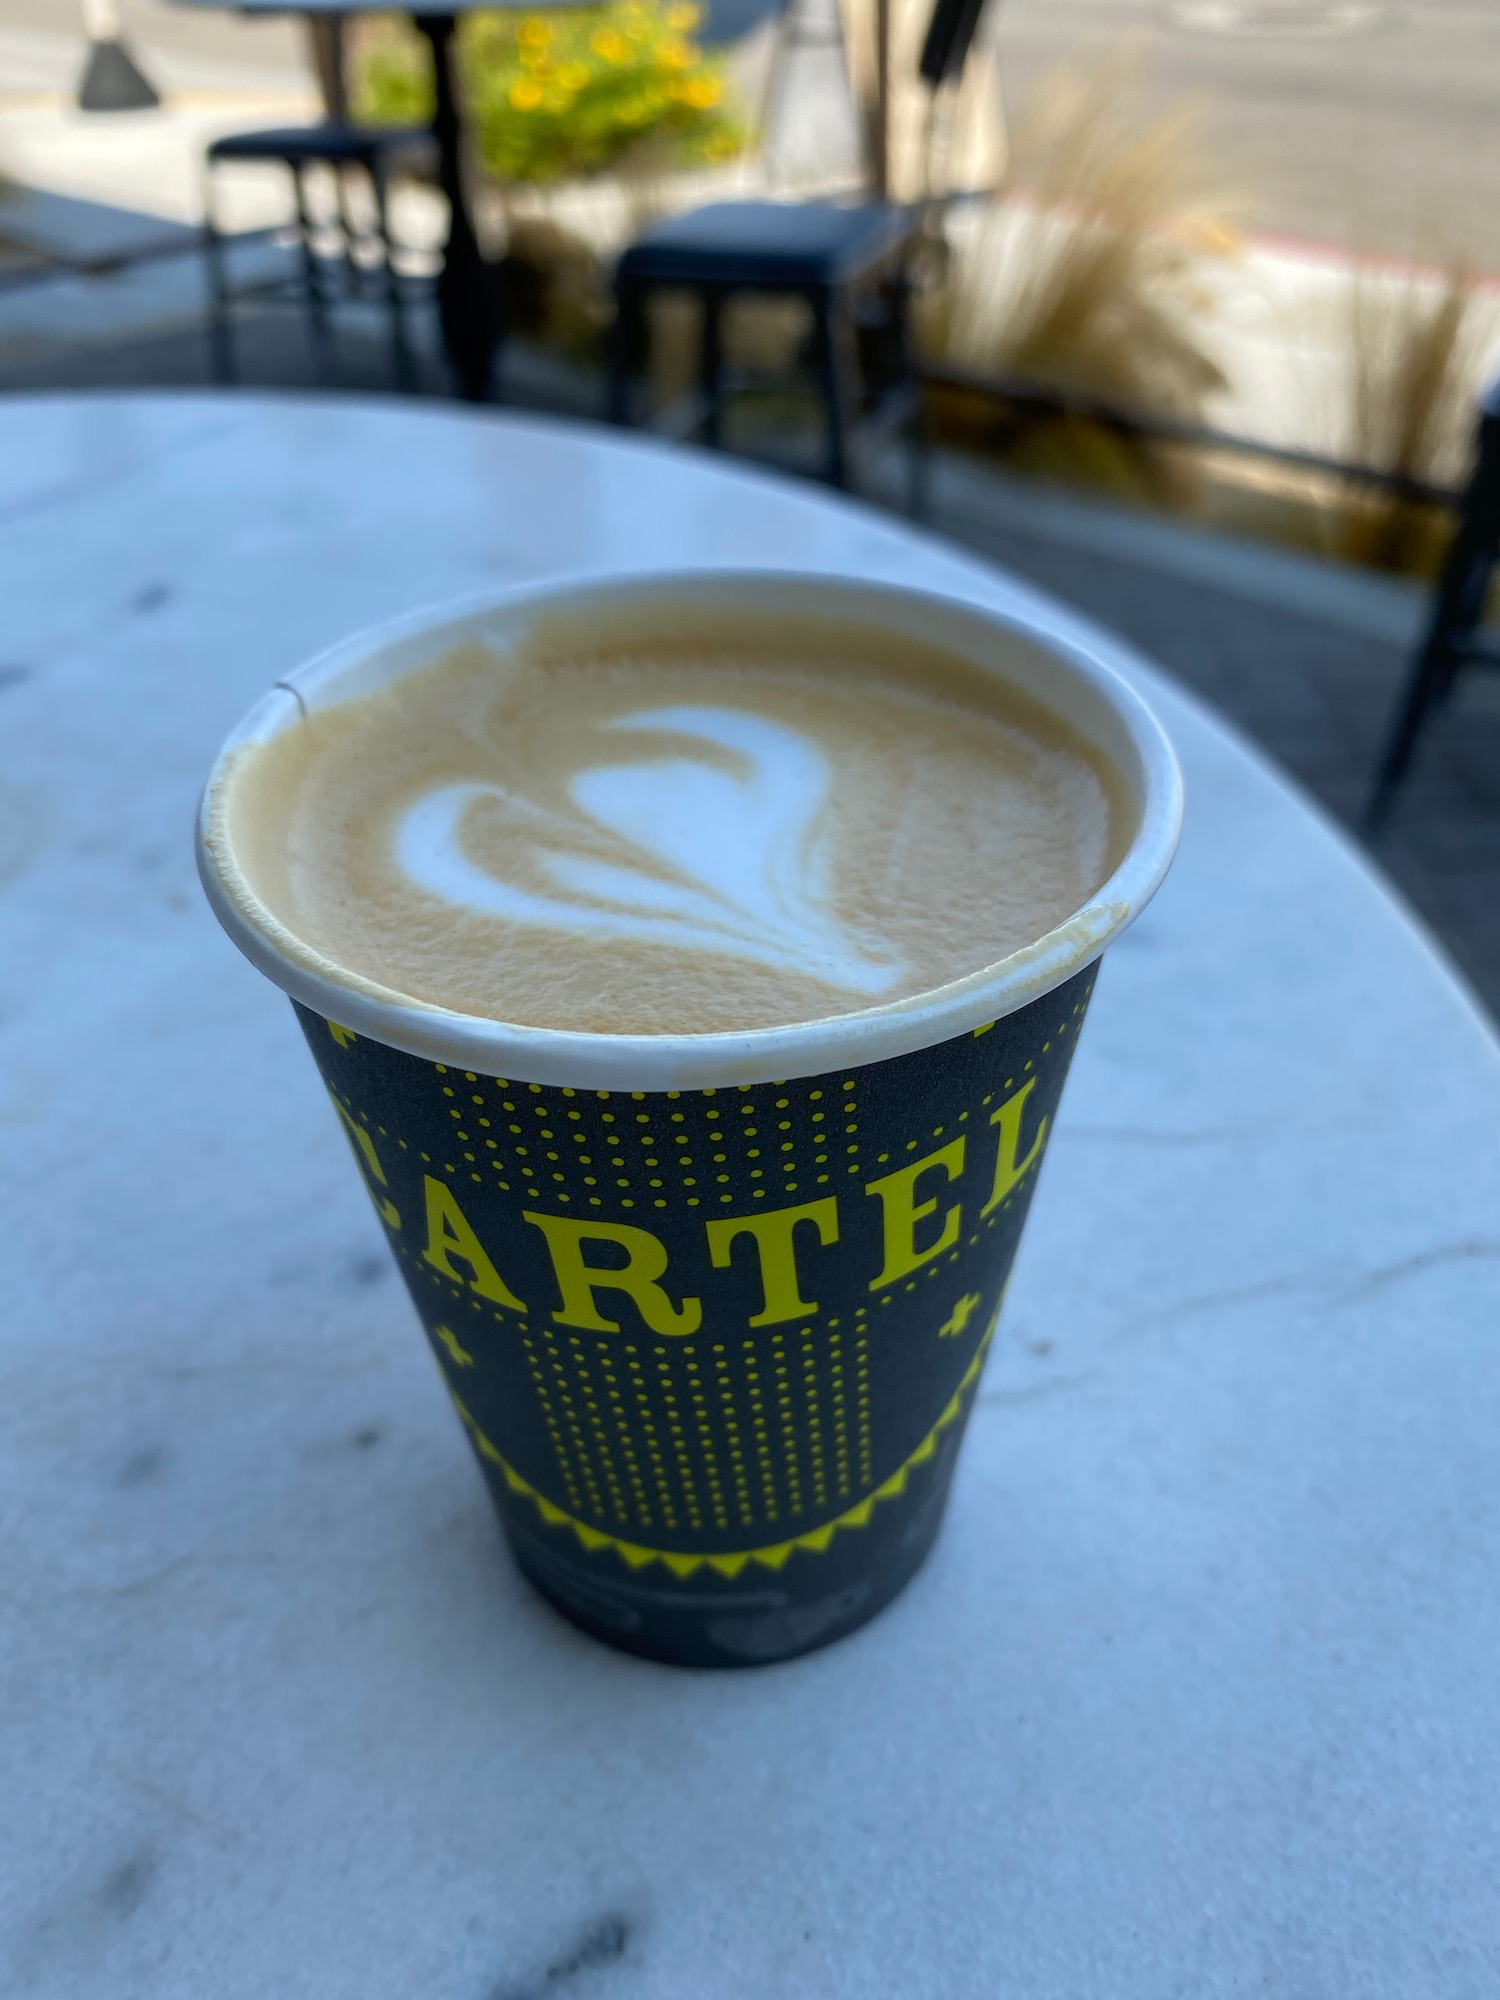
1457	612
466	290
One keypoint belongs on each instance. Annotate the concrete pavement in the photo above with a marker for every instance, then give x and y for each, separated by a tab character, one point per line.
1370	124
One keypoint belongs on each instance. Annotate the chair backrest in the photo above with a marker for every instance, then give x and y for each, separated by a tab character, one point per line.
950	36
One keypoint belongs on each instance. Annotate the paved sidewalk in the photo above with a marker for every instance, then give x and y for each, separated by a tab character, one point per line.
1305	656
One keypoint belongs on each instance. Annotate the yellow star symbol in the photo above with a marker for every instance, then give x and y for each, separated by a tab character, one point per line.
959	1318
459	1353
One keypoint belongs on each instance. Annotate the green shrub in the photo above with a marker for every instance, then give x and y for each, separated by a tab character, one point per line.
550	96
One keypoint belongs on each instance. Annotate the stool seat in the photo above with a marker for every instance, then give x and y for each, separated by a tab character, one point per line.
770	245
848	262
364	258
333	144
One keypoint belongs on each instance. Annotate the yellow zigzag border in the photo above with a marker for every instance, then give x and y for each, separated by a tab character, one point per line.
771	1557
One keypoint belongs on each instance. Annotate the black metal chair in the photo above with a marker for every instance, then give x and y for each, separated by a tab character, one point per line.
852	264
364	264
1453	639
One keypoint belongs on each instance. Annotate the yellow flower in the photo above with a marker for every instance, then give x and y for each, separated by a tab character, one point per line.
525	94
611	46
703	92
573	76
534	33
677	55
684	17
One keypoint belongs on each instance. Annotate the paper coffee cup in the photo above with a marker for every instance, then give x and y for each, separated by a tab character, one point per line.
716	1388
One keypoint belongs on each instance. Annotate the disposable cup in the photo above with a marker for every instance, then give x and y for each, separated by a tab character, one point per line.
712	1307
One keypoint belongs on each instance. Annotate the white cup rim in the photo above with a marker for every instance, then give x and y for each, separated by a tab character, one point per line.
1082	686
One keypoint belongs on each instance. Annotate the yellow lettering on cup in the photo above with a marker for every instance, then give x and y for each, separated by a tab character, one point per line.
903	1212
645	1261
369	1160
772	1232
449	1235
1008	1169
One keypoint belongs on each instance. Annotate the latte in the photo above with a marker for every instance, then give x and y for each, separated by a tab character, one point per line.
679	823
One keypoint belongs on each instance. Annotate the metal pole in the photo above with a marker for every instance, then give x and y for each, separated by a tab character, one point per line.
466	284
326	33
882	99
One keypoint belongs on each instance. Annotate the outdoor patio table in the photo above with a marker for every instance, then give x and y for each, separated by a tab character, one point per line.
468	308
1197	1694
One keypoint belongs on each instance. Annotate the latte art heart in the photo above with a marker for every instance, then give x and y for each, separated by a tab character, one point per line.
713	857
681	824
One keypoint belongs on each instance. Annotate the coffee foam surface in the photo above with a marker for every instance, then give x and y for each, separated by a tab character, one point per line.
682	824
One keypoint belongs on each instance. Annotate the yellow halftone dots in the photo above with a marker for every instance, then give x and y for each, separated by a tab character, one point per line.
549	1418
814	1420
586	1392
659	1478
862	1408
623	1438
730	1562
840	1408
709	1456
786	1422
761	1426
571	1424
736	1440
678	1437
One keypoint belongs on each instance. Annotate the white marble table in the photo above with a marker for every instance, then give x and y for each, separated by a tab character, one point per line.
1198	1695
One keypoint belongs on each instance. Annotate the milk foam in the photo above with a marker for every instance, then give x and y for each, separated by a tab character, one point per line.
726	861
729	822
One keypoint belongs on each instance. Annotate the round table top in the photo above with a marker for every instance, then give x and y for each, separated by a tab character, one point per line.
1197	1694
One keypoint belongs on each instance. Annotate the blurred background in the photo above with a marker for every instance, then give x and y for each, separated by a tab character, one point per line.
1197	297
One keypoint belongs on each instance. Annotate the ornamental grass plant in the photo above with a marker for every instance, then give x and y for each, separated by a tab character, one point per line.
1084	273
1415	346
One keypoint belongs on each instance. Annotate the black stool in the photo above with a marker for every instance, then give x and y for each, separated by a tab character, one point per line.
849	264
1453	636
373	151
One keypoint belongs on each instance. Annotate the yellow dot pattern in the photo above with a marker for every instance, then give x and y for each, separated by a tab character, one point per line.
554	1433
623	1433
786	1422
744	1505
733	1428
679	1440
840	1410
660	1482
708	1452
572	1424
808	1370
862	1400
765	1458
